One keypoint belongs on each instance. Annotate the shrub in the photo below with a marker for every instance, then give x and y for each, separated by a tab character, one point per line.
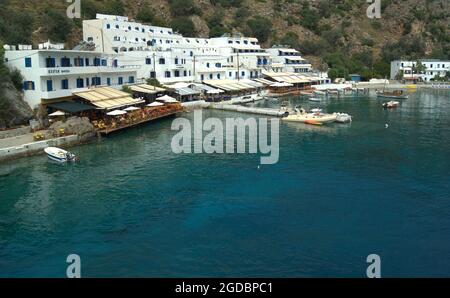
184	26
260	28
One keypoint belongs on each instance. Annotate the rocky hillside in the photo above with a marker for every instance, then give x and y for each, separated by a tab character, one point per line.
335	34
13	110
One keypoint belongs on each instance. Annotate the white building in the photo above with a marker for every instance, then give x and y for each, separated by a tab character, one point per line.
56	74
170	57
288	60
433	67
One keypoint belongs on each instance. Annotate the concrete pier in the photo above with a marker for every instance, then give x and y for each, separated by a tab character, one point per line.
248	110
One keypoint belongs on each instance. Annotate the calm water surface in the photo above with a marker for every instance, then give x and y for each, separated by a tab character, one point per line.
132	208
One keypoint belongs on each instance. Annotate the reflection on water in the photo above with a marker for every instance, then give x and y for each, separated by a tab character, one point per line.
339	193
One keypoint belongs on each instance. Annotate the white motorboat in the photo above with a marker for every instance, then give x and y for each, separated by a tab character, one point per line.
317	118
60	155
391	105
343	118
314	99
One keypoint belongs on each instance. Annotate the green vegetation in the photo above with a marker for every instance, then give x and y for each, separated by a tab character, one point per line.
154	82
184	25
147	16
260	27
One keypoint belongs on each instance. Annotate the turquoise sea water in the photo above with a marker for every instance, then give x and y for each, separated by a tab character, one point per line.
131	208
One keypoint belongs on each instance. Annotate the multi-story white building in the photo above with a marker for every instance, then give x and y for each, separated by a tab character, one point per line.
170	57
123	52
288	60
55	74
433	67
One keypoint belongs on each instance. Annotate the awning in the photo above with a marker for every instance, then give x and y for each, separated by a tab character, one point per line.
148	89
71	106
264	81
108	98
295	58
186	91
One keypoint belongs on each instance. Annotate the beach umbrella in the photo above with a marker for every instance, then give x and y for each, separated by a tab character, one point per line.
281	85
131	109
155	104
171	101
215	91
57	114
116	113
165	98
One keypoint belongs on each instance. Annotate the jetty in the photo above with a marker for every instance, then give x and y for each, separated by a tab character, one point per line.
248	110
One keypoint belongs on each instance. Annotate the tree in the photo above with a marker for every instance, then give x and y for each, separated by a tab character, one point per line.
57	26
260	28
154	82
419	67
184	26
290	39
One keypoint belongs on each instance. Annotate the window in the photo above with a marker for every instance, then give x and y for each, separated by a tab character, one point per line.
176	61
211	76
65	84
80	83
28	85
152	74
131	80
104	62
162	61
28	62
218	76
148	61
177	73
108	26
185	73
78	62
49	85
87	62
108	81
87	82
243	73
167	74
207	64
120	81
65	62
117	26
50	62
202	77
97	62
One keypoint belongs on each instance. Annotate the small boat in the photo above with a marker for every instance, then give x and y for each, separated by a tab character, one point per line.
306	93
397	94
391	105
314	99
311	118
343	118
60	155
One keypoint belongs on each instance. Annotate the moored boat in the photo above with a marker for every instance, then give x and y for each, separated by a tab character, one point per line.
314	99
343	118
391	105
316	118
397	94
60	155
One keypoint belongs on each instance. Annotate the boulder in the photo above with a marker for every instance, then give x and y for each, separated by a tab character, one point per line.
74	125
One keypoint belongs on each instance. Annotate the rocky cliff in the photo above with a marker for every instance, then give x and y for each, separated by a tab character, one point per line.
13	110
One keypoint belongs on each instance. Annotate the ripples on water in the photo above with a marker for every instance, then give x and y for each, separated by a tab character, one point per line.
338	194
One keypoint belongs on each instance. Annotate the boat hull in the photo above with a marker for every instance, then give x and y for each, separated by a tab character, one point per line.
311	118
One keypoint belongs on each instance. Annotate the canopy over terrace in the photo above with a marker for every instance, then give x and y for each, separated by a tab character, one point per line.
148	89
107	98
230	85
286	77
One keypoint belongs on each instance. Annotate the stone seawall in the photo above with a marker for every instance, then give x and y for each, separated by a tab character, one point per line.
36	148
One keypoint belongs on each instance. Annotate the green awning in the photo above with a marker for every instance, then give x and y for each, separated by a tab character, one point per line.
71	106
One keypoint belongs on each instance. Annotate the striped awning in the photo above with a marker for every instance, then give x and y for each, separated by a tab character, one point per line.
108	98
144	88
